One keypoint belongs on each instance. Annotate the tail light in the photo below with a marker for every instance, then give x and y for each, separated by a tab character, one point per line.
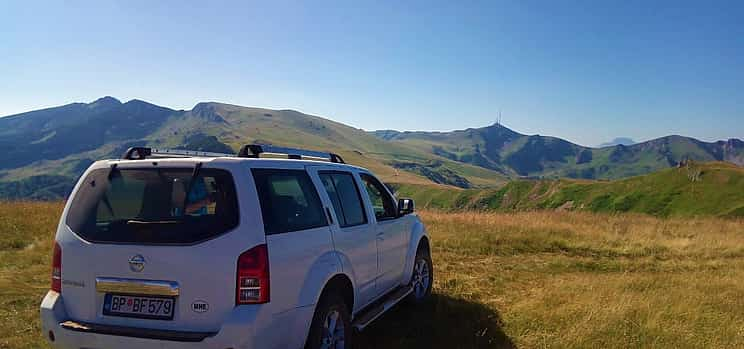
57	268
252	284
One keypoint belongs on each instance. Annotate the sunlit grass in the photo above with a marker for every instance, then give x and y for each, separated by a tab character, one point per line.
528	279
26	235
572	279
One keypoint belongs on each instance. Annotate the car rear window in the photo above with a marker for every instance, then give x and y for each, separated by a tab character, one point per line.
289	201
154	205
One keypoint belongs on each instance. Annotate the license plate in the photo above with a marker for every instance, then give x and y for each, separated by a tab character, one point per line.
144	307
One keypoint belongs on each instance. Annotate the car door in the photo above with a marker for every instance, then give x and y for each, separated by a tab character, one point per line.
390	232
353	233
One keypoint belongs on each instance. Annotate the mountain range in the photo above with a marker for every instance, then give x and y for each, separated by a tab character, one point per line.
42	152
513	154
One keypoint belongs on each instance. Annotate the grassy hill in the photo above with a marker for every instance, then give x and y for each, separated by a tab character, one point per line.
236	125
42	152
695	189
502	280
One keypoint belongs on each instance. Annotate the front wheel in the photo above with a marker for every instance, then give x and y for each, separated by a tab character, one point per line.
422	277
331	326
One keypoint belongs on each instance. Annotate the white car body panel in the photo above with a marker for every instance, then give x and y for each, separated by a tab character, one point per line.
356	244
377	257
415	237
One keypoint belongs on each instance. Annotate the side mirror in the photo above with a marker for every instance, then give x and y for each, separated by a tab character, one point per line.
405	206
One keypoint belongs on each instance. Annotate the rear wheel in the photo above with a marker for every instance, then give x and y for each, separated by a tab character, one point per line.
331	326
422	277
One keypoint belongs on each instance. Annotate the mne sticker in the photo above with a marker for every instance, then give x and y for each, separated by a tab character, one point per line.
200	306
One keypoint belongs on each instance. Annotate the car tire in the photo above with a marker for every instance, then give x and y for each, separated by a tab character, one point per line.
331	326
422	277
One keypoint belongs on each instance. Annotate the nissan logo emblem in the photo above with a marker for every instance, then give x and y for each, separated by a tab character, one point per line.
137	263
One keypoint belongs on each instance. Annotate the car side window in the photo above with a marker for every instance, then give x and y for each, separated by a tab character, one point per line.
382	202
289	201
345	197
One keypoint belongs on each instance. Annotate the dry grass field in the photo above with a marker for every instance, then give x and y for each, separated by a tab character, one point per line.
529	279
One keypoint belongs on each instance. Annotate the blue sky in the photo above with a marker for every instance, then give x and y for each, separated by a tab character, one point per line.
587	71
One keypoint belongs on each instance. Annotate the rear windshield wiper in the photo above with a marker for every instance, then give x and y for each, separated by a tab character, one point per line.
138	222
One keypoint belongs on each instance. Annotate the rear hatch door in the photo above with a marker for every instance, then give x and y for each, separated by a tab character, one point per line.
155	246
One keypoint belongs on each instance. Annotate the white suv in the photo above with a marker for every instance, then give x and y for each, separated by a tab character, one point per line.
178	249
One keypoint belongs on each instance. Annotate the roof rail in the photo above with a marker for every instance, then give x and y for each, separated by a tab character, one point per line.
255	150
141	153
187	153
247	151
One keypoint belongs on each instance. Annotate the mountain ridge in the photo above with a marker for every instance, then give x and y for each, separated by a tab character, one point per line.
499	147
48	148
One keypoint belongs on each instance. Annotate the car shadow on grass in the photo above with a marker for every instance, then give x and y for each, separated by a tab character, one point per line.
441	322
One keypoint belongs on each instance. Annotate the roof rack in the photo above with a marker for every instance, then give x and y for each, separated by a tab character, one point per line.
247	151
255	150
141	153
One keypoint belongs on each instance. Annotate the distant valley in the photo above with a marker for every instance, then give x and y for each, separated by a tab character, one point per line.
42	152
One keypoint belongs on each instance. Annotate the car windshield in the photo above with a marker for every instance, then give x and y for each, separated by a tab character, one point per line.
154	205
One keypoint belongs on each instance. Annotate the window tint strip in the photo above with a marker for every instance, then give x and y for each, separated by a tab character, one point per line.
341	203
330	188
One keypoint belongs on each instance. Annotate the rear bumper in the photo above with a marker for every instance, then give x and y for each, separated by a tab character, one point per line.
246	328
146	333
